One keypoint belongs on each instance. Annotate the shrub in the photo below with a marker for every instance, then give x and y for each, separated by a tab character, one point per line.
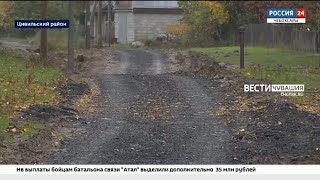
177	29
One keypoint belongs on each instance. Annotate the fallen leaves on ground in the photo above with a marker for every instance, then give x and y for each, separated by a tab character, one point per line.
243	104
309	108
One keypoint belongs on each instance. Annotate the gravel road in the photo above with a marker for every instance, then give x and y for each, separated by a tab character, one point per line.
150	116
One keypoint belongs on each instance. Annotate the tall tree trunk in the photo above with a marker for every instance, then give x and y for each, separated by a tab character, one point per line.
44	36
87	25
71	36
99	37
109	23
92	16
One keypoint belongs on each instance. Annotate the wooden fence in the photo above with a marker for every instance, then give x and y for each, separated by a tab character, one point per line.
284	36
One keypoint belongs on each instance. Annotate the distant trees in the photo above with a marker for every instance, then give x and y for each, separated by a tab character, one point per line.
25	10
205	19
254	12
212	22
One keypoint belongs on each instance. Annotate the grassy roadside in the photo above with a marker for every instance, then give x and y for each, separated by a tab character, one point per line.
263	56
280	66
277	65
58	40
22	83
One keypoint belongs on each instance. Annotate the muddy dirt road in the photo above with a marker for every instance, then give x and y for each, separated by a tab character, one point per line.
150	116
154	109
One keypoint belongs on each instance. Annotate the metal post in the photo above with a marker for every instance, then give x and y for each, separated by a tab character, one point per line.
241	37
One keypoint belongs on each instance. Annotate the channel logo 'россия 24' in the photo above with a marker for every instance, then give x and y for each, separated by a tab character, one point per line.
286	15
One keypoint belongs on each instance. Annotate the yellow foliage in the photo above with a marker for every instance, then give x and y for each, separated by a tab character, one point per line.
5	13
176	29
216	9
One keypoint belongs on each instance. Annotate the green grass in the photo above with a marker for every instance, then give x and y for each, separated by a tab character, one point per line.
4	123
311	81
283	76
296	67
263	56
22	83
31	127
58	40
14	69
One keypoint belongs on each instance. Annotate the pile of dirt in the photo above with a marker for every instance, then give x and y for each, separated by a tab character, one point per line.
187	62
34	151
268	128
86	63
94	61
280	134
72	90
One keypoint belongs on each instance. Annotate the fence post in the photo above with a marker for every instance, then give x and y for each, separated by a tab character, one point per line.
241	40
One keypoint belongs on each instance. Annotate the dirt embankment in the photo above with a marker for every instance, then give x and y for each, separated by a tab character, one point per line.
188	62
267	128
57	120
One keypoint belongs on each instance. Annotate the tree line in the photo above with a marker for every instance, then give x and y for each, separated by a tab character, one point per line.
76	12
212	22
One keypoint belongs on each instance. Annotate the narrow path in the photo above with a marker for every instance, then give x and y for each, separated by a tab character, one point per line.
14	45
150	116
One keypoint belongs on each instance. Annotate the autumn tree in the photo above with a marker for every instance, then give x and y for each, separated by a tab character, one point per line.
177	29
205	19
254	12
312	15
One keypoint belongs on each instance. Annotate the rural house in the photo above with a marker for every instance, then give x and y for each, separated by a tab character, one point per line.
141	20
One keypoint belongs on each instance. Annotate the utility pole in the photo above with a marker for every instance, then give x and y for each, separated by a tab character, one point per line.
109	23
87	25
44	35
99	24
71	36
